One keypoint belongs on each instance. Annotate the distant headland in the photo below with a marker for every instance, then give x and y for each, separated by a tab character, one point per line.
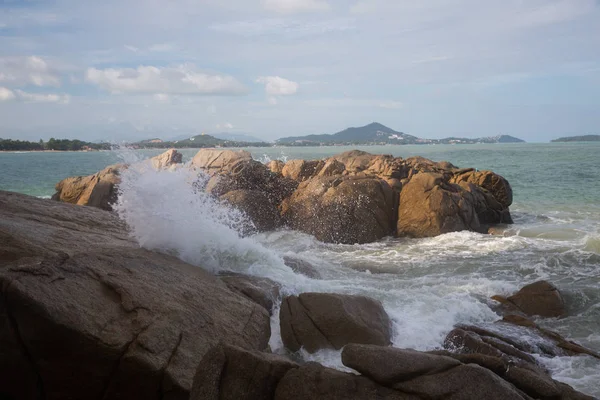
371	134
584	138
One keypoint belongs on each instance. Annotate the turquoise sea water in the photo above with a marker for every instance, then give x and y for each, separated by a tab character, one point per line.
426	285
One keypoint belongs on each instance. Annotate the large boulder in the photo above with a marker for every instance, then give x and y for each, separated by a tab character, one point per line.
301	170
539	298
388	365
100	189
430	206
313	381
257	206
166	160
232	373
347	209
495	184
97	190
87	314
262	291
321	320
214	161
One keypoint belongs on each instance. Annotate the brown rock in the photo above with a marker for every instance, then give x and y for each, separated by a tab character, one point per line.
539	298
216	160
302	267
493	183
388	365
355	160
332	167
312	381
321	320
98	190
465	382
232	373
87	314
430	206
301	170
276	166
262	291
257	206
167	159
341	209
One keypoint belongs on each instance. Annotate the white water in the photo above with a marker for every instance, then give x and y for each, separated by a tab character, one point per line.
426	285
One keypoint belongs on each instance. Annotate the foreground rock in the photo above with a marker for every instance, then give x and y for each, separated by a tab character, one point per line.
231	373
86	314
262	291
317	321
539	298
100	190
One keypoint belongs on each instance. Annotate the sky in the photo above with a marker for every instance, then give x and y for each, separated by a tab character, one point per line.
136	69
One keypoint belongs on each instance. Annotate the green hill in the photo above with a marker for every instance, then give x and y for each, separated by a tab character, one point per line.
584	138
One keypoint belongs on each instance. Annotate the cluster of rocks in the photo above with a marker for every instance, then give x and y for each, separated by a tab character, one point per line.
85	313
354	197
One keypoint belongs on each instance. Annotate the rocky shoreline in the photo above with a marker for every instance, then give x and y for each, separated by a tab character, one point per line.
88	314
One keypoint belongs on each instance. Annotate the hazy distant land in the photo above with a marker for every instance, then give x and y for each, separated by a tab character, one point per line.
584	138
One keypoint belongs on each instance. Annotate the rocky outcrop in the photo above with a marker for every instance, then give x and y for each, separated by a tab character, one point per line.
167	159
257	206
97	190
317	321
430	206
232	373
301	170
539	298
214	161
87	314
100	189
262	291
346	209
276	166
496	185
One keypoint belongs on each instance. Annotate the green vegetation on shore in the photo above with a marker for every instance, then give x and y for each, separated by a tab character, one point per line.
584	138
52	144
194	142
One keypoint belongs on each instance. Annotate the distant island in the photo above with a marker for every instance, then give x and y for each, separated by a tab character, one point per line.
51	145
378	134
584	138
198	141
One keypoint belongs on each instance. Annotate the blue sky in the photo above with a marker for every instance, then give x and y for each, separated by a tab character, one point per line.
133	69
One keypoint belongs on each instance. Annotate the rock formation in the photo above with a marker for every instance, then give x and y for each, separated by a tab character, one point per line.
353	197
321	320
100	190
87	314
539	298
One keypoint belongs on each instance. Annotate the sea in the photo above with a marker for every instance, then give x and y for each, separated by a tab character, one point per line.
426	285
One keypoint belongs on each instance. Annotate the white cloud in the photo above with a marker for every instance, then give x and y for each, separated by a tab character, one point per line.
277	86
31	70
162	98
132	49
295	6
226	125
27	97
161	47
6	94
391	105
284	27
183	79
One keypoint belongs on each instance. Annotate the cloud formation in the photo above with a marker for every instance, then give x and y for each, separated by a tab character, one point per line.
27	97
183	79
295	6
32	70
278	86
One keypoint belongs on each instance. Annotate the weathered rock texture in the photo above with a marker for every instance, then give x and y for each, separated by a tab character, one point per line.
321	320
539	298
353	197
86	314
100	190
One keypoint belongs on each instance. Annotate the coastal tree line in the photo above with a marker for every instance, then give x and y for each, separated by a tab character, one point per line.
52	144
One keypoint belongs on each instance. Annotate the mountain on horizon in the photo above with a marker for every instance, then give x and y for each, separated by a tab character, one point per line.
372	133
376	133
